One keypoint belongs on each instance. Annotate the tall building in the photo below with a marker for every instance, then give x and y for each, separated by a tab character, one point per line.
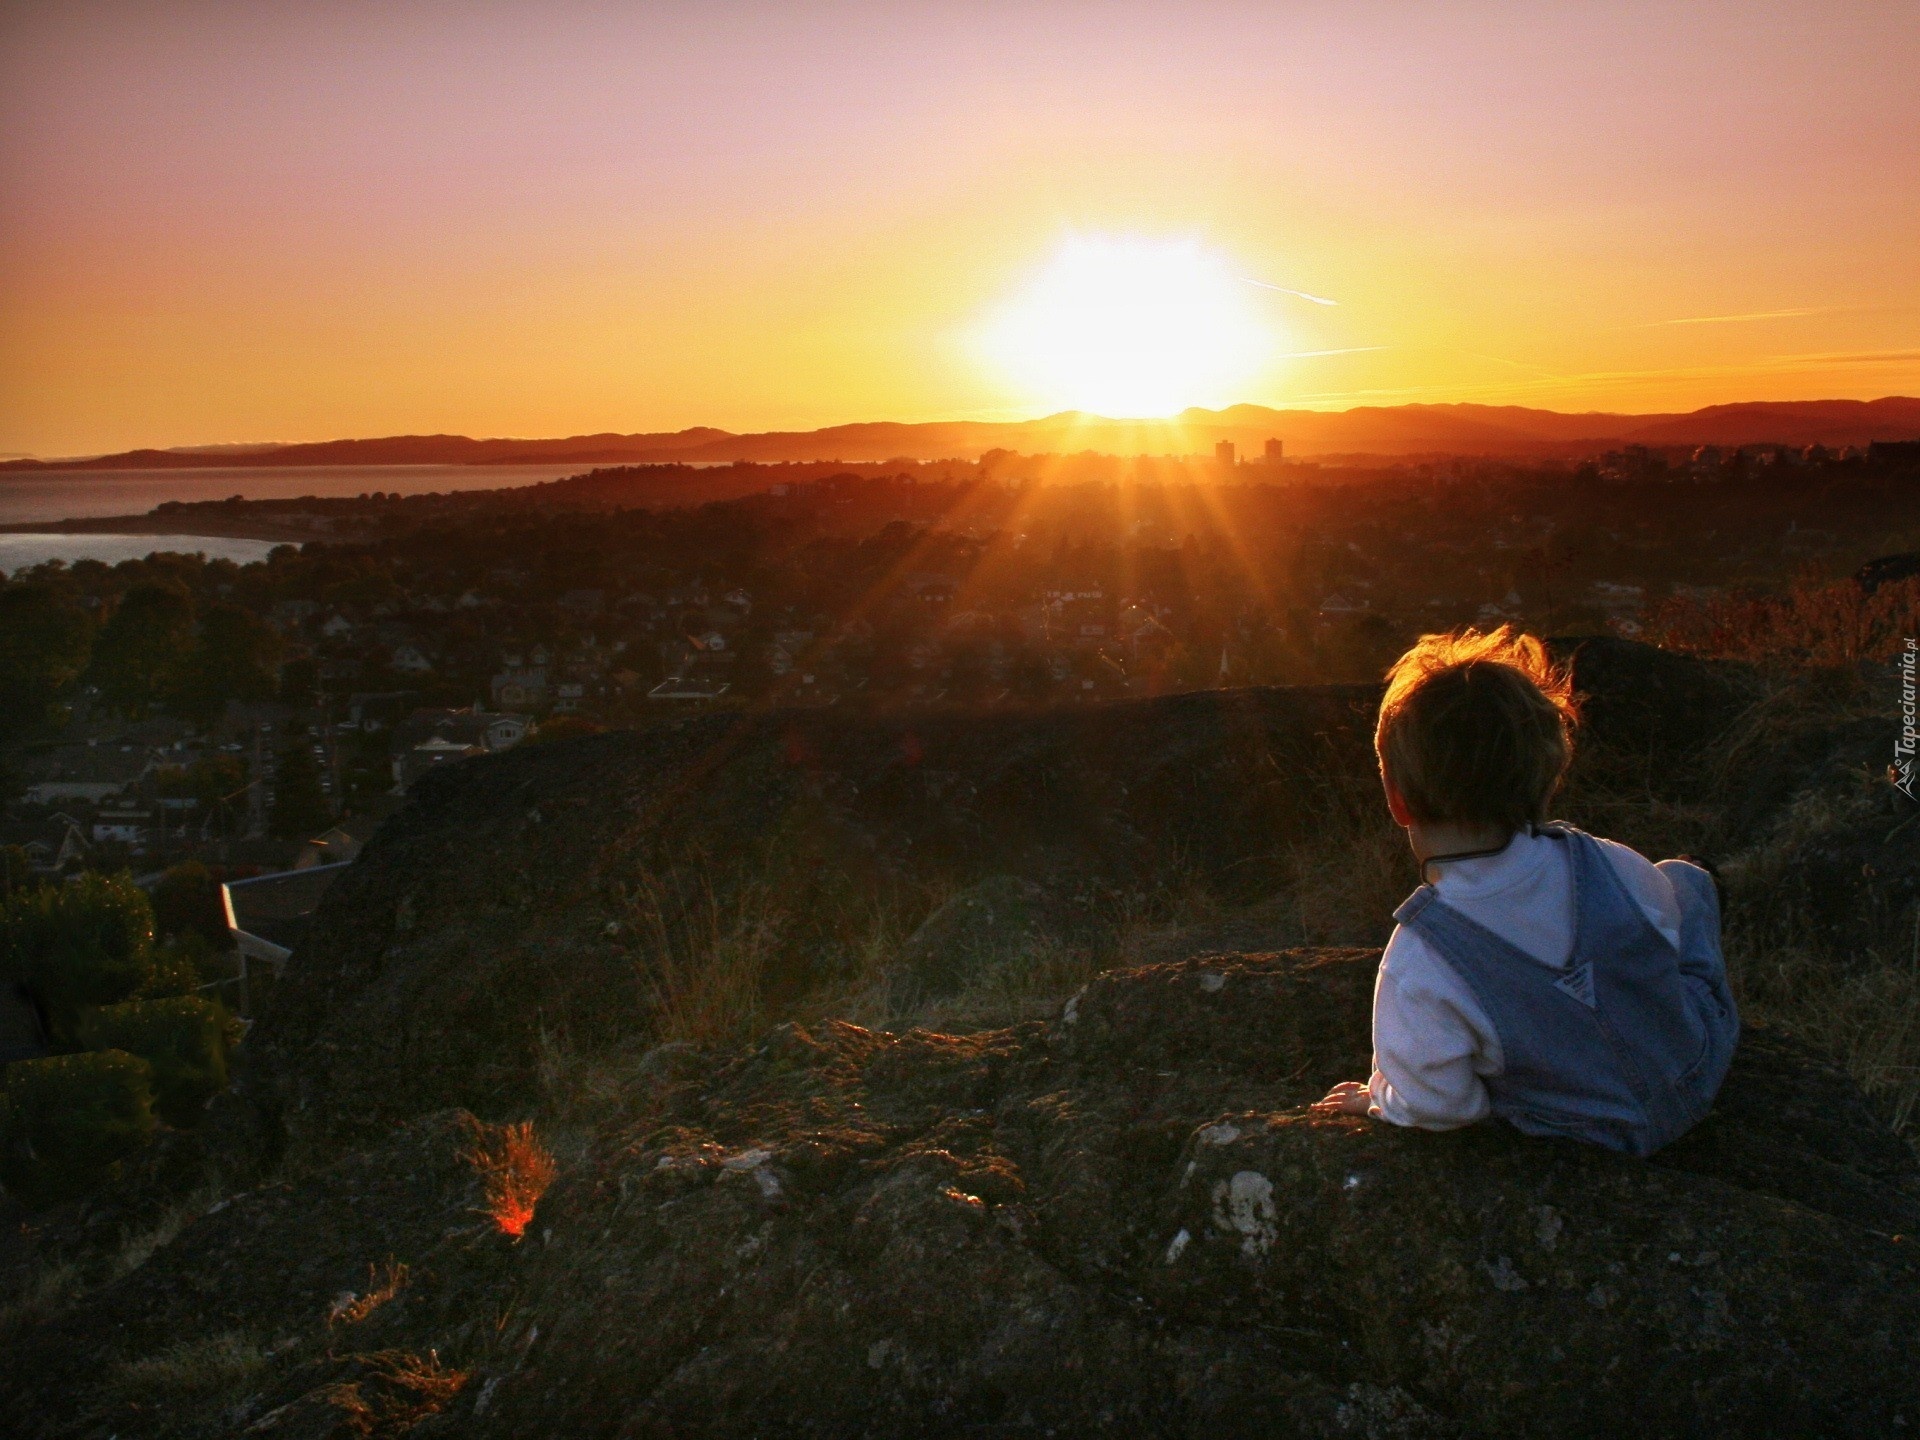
1276	452
1223	454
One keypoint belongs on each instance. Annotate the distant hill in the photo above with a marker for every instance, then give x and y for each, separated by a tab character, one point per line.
1366	430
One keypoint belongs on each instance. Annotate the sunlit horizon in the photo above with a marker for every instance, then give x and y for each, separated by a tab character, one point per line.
240	224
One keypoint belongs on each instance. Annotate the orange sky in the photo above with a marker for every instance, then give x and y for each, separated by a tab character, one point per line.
289	222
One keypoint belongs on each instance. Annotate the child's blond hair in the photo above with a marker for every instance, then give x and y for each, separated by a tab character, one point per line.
1476	729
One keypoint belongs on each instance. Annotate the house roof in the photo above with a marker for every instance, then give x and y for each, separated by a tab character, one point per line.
106	764
442	745
467	727
689	687
276	908
348	835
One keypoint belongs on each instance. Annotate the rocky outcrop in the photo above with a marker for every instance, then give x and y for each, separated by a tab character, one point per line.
1122	1221
251	1294
514	895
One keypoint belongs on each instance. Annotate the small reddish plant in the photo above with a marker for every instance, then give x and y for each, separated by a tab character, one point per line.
351	1309
515	1169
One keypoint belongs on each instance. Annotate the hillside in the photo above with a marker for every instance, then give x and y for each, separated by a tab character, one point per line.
943	1076
1371	430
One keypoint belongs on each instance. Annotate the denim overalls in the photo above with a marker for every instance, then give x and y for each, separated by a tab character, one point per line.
1627	1046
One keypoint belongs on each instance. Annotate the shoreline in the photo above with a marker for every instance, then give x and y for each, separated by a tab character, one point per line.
213	527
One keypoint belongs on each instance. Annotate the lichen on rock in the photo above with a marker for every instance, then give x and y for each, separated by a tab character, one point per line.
1129	1224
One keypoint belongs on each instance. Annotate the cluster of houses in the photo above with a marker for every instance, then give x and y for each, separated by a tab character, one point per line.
130	793
430	737
619	654
1642	463
118	793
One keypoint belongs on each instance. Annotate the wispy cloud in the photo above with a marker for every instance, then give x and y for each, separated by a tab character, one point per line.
1285	290
1344	350
1736	319
1502	360
1850	357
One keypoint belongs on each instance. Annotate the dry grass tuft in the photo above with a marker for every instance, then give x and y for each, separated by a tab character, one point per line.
1866	1016
141	1247
1810	623
398	1392
55	1288
1113	929
706	962
214	1365
515	1169
1029	985
1341	888
351	1309
1862	1006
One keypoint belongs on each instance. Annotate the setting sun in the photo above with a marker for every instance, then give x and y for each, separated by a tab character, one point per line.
1130	327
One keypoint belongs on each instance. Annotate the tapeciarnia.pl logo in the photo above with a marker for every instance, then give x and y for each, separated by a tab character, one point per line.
1903	757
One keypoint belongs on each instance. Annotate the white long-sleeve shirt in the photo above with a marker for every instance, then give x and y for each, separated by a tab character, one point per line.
1433	1044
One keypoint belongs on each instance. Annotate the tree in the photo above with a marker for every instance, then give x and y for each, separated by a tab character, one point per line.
184	1039
1358	649
216	783
235	658
45	641
143	649
298	680
186	901
215	778
564	727
67	1121
16	870
1032	678
83	944
299	804
366	770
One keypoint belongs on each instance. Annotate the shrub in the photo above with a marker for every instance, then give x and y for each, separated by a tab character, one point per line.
66	1122
1810	623
87	943
179	967
184	1039
16	866
515	1169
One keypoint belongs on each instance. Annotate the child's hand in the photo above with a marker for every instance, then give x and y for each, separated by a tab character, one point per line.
1349	1097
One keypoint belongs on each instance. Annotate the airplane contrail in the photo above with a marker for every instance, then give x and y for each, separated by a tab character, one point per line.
1731	319
1285	290
1344	350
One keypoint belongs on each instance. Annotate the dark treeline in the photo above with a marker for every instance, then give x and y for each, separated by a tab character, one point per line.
1013	580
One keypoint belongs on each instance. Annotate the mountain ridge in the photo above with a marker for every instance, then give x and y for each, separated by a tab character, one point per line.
1456	428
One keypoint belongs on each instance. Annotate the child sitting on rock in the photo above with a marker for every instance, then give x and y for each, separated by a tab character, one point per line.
1563	983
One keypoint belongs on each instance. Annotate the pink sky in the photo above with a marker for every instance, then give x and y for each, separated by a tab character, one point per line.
252	222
